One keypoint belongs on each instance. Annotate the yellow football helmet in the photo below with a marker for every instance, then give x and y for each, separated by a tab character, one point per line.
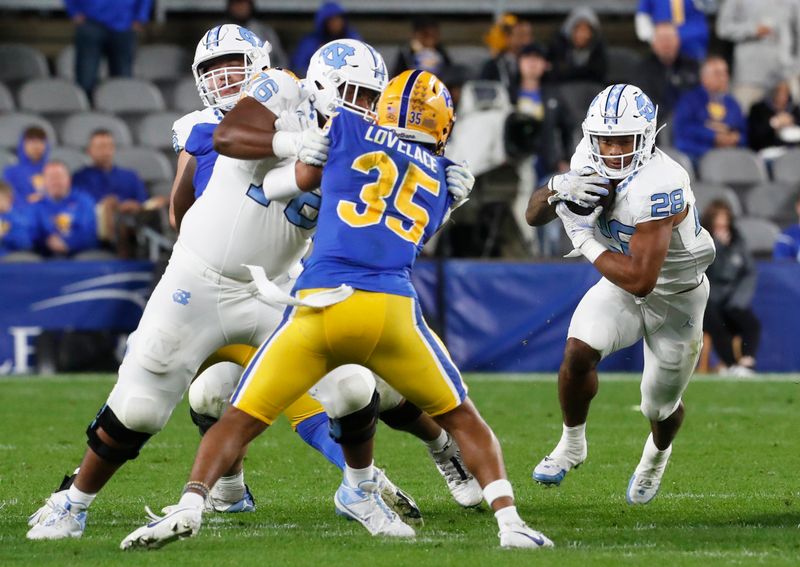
419	108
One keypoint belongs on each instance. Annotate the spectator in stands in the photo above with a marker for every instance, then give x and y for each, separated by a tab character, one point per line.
787	247
63	220
733	282
665	74
243	13
504	67
106	27
764	36
774	121
708	116
578	52
25	176
689	16
15	229
425	50
330	23
496	39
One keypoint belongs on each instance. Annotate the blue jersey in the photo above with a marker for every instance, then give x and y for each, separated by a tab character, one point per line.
382	199
195	134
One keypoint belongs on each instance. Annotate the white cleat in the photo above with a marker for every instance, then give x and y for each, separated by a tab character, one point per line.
365	505
520	535
646	480
463	486
398	500
59	518
178	524
553	468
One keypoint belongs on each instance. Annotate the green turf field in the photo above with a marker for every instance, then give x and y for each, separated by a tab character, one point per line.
731	494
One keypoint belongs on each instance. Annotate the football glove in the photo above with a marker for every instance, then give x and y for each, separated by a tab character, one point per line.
313	148
460	182
579	228
582	187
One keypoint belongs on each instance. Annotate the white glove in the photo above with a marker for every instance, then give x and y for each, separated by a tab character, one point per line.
291	121
580	230
314	147
582	187
460	182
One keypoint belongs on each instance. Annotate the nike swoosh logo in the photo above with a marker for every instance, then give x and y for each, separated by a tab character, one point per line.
536	540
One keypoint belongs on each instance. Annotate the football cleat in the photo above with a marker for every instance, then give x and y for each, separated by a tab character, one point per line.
520	535
646	479
178	524
56	498
463	486
552	469
63	520
246	504
398	500
365	505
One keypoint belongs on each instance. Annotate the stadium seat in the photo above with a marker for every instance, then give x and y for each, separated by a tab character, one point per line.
185	97
65	64
161	61
480	96
471	56
682	159
51	96
759	235
13	124
6	158
73	158
21	256
20	62
738	167
94	256
128	96
622	64
151	165
77	129
704	193
6	100
155	130
786	169
773	201
161	188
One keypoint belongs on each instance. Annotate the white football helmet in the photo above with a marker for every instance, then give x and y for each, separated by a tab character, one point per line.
621	110
220	88
339	64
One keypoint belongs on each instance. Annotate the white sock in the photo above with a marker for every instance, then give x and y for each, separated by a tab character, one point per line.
439	443
652	455
508	515
192	500
354	477
229	488
82	499
573	440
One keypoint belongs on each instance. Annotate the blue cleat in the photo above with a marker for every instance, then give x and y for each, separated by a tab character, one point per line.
365	505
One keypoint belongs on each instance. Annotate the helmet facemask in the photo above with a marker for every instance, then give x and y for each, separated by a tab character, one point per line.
341	92
630	162
232	77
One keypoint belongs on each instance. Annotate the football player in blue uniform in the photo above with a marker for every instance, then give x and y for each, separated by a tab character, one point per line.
384	188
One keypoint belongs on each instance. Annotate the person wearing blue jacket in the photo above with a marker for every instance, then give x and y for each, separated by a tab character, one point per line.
708	116
330	23
64	220
15	229
688	16
787	246
105	27
25	176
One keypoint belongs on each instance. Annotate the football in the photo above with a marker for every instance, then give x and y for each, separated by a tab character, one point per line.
605	202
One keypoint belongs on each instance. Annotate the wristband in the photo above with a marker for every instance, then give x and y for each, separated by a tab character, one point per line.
285	144
280	183
591	249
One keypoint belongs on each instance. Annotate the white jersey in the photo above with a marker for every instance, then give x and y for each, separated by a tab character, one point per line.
184	125
234	223
658	190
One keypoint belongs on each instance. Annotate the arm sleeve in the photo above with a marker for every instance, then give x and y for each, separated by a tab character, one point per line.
731	23
280	183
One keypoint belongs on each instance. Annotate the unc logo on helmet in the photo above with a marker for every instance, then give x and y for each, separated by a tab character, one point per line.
645	106
250	37
336	55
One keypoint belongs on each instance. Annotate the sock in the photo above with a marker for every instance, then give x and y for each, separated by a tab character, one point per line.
354	477
229	488
439	443
573	440
192	500
508	515
80	498
315	432
652	455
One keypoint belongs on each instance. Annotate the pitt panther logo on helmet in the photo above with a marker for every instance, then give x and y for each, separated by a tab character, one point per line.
336	55
645	106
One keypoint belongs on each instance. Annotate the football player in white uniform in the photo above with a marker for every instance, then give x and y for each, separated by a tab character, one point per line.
646	240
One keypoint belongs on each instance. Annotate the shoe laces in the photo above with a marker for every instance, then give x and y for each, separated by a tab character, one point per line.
454	470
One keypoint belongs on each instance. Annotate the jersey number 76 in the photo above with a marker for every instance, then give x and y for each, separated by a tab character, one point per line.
371	207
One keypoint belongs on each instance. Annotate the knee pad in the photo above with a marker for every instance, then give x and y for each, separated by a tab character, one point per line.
132	441
655	412
157	349
400	417
345	390
358	426
211	391
390	398
203	422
